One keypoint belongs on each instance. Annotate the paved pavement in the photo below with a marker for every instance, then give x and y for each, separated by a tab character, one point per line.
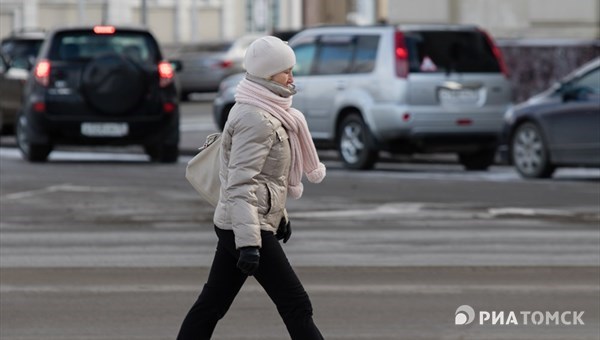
106	246
359	303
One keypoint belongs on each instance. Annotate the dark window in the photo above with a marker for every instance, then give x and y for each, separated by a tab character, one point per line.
305	55
338	54
452	51
366	51
208	47
20	53
87	45
589	81
334	55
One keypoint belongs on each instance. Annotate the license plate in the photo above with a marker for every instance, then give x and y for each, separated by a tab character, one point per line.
104	129
458	97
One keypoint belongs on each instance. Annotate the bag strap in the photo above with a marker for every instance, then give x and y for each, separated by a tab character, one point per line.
210	139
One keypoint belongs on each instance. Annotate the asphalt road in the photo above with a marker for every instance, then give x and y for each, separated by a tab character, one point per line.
103	245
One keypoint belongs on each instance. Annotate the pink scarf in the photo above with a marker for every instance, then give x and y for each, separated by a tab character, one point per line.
304	154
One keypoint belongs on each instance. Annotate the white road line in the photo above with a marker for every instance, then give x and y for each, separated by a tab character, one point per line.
54	188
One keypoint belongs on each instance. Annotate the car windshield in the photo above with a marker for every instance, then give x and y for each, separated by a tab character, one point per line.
452	51
87	45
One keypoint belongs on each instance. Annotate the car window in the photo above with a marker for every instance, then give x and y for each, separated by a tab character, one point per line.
589	81
305	55
334	55
452	51
366	51
20	53
338	54
86	45
208	47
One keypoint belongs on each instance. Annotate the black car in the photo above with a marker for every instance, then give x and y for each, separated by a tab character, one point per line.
559	127
101	85
17	56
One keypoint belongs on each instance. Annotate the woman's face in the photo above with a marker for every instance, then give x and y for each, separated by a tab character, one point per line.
284	78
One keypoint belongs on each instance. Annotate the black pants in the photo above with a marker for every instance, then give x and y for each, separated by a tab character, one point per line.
275	275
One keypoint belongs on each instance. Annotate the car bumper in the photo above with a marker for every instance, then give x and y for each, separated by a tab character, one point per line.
424	129
137	130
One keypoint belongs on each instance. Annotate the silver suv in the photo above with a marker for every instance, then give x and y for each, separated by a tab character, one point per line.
400	89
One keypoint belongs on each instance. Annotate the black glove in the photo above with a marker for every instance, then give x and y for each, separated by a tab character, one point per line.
248	261
284	231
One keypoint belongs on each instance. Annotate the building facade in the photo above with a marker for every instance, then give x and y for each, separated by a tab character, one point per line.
187	21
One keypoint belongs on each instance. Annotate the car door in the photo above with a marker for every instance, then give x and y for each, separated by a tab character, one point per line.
329	76
573	126
305	55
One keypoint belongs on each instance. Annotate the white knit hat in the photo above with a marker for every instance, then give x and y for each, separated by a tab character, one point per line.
268	56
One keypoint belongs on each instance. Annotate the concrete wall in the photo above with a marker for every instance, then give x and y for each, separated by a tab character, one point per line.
535	65
578	19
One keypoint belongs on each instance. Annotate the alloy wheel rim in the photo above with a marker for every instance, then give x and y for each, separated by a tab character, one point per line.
528	151
22	137
351	143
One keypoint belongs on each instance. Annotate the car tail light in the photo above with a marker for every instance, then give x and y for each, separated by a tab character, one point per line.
226	63
401	55
42	72
104	29
39	107
165	73
169	107
497	53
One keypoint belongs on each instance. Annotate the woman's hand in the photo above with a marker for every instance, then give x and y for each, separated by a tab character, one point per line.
249	260
284	231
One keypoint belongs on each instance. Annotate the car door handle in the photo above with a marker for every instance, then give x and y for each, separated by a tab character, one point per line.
340	85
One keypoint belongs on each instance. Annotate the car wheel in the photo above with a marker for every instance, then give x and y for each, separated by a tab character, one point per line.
31	152
162	153
184	96
354	144
529	152
477	161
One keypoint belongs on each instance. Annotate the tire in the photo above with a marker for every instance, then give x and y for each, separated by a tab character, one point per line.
529	152
113	84
184	96
354	143
36	153
477	161
162	153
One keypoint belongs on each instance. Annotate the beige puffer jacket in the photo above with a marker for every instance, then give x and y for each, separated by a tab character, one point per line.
255	164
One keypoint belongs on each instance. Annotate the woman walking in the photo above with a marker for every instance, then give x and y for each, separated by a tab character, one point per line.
266	149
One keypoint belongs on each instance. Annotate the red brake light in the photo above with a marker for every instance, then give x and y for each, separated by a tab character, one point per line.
401	54
169	107
165	73
39	106
226	63
42	72
497	53
104	29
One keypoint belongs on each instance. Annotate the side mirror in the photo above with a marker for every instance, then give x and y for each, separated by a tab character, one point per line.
176	65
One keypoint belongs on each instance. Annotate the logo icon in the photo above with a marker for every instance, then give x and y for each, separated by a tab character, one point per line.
464	315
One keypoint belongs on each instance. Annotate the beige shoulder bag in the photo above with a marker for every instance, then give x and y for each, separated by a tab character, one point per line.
203	170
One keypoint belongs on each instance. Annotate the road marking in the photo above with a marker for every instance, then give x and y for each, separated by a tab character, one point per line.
54	188
400	209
